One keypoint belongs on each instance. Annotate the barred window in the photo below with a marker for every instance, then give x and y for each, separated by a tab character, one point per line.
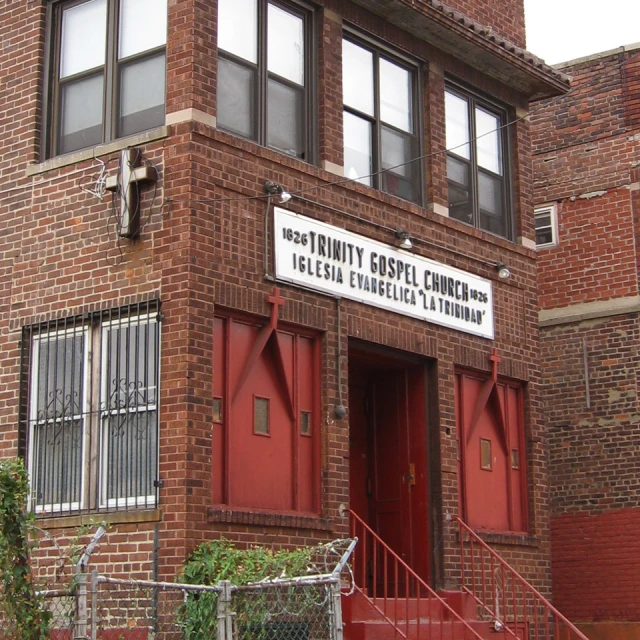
92	410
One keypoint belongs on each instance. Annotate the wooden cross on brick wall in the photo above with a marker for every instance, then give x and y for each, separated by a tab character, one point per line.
495	361
277	302
126	186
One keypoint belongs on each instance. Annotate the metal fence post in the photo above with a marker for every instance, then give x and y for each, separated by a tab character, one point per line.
336	611
81	607
225	615
94	605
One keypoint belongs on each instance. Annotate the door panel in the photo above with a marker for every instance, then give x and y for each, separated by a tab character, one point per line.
388	459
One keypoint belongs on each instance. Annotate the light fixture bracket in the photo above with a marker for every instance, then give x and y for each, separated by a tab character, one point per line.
403	239
275	189
503	270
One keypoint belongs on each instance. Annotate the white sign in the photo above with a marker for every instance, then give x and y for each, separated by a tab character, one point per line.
344	264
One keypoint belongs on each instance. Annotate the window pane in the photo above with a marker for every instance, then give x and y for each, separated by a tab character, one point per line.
457	117
460	206
305	423
544	235
238	28
357	148
60	377
488	142
285	54
284	118
357	77
397	150
491	207
131	445
236	98
261	416
80	114
395	96
57	422
57	465
129	409
143	26
142	95
83	44
544	227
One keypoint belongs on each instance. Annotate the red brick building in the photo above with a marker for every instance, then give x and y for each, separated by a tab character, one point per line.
587	189
186	356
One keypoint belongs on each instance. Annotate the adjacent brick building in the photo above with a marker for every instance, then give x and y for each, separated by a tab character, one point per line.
587	189
179	346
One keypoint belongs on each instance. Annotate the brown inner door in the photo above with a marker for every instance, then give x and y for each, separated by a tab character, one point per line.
388	455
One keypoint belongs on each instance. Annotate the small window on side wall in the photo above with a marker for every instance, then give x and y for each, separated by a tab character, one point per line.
546	226
264	74
380	120
477	162
107	71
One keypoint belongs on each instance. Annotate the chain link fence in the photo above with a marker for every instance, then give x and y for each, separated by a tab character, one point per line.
104	608
305	609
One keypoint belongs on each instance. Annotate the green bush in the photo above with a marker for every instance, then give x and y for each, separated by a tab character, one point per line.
22	607
219	560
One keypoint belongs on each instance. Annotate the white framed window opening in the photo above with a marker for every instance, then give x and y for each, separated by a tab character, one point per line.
546	222
92	416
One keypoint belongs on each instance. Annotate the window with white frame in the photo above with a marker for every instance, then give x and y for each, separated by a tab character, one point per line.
106	71
546	226
92	410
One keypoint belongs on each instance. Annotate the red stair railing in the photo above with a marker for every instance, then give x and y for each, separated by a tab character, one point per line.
398	594
505	596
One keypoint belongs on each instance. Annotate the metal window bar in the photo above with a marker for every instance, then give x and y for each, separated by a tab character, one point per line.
89	410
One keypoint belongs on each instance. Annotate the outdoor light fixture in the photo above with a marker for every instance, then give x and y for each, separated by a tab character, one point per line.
275	189
503	271
402	238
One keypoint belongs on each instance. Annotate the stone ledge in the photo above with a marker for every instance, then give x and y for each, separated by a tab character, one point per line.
588	311
110	517
262	518
507	538
95	152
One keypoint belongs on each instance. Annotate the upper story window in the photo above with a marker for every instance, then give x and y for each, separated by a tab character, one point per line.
91	417
264	74
479	191
380	123
546	226
107	77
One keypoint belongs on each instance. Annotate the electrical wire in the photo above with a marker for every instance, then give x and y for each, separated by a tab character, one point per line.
342	181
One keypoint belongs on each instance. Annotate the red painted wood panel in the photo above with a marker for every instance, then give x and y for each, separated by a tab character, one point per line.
278	470
493	492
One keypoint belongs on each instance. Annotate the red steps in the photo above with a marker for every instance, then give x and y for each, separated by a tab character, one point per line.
419	619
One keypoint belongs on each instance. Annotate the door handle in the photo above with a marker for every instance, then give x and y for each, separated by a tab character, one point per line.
410	478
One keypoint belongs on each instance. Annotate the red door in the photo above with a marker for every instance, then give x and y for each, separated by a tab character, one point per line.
388	457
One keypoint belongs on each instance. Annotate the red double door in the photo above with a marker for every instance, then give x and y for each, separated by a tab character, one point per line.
388	454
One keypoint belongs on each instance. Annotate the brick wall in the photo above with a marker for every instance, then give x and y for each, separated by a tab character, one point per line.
586	158
59	255
605	588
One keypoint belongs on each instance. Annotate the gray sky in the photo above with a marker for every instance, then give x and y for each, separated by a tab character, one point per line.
561	30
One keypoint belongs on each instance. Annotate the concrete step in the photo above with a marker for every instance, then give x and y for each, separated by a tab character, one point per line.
359	608
423	630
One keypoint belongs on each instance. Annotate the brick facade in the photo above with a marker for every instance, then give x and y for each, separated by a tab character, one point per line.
586	159
202	247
